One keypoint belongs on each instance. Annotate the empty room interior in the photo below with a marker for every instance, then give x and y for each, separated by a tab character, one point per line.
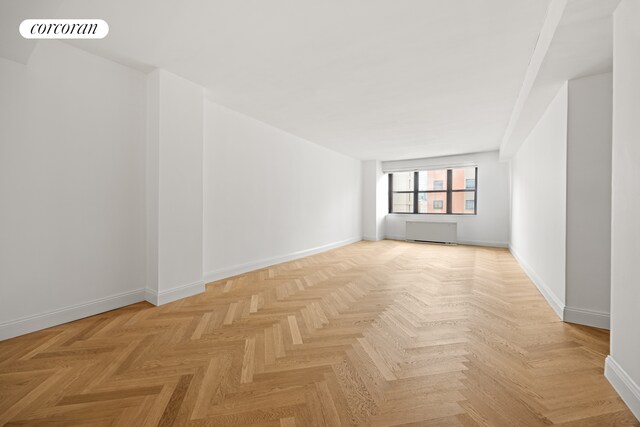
319	213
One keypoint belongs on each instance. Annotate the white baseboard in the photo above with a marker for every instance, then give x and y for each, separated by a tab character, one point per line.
234	270
547	293
371	239
389	237
581	316
174	294
41	321
481	243
462	242
624	385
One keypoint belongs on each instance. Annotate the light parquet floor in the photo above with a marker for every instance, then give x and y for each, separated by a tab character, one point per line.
374	333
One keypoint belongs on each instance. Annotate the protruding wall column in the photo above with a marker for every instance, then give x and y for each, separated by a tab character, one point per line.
174	187
375	200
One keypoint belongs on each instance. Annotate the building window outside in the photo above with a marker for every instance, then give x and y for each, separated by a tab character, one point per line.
440	191
470	184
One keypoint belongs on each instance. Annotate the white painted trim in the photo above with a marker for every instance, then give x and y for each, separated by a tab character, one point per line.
623	385
234	270
597	319
174	294
461	242
371	239
388	237
479	243
547	293
41	321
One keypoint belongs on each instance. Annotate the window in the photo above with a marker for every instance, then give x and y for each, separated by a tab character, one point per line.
402	197
439	191
470	183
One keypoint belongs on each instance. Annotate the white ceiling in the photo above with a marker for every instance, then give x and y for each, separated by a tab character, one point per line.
12	13
384	79
582	45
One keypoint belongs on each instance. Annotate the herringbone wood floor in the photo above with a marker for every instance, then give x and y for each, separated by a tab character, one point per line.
382	333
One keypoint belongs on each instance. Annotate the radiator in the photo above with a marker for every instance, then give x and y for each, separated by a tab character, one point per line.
421	231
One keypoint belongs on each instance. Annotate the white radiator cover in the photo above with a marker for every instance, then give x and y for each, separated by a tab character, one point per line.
423	231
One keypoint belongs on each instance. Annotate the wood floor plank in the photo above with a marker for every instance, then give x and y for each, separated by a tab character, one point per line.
295	332
231	312
374	333
248	361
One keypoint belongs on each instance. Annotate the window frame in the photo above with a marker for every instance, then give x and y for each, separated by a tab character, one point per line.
448	190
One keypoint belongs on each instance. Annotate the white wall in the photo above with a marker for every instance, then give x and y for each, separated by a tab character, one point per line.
72	187
375	200
270	196
623	365
538	202
588	229
561	193
490	226
174	187
382	201
102	179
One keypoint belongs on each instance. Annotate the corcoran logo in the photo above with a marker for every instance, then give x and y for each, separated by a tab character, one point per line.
64	28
